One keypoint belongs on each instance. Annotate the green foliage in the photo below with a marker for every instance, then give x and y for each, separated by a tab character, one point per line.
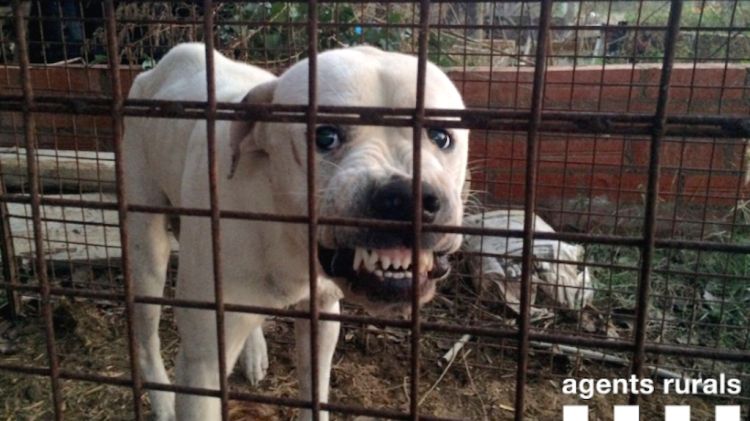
701	296
694	43
276	31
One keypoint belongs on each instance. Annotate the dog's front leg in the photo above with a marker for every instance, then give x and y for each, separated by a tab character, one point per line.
197	362
254	358
328	334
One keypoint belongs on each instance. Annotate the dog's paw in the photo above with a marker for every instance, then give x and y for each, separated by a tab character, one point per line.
162	408
162	405
254	358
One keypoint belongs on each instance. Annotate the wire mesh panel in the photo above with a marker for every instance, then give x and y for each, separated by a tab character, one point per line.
606	228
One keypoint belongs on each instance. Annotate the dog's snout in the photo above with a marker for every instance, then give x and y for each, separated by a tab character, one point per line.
394	201
430	204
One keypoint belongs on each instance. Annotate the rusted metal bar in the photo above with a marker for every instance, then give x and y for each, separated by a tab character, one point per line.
239	396
532	155
479	331
213	186
312	211
33	177
652	194
8	256
394	25
412	1
619	345
395	225
631	124
416	188
482	118
712	173
534	122
122	203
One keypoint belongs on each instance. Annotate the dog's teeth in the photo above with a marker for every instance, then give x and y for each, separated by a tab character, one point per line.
385	261
391	262
407	274
366	258
363	257
373	259
379	272
406	262
369	263
396	263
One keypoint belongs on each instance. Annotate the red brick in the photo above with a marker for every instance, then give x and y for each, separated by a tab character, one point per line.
571	166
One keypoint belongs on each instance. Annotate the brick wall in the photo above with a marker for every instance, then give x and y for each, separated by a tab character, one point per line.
575	170
609	172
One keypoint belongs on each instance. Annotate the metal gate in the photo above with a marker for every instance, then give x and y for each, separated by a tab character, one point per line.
621	123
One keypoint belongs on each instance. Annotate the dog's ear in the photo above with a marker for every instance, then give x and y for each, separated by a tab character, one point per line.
241	132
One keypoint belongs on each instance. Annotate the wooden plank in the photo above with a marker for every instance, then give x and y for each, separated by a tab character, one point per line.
74	235
61	170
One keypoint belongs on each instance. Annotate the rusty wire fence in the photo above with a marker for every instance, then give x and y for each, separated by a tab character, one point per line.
608	216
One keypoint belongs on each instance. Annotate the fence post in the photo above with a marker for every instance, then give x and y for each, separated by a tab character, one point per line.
8	256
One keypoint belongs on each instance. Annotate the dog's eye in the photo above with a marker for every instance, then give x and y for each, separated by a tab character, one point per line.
328	138
440	137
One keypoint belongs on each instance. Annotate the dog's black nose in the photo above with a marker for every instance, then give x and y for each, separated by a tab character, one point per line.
393	201
430	203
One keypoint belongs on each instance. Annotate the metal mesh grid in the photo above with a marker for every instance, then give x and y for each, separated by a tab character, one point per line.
621	123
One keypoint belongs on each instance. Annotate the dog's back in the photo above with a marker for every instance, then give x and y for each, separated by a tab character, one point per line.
155	148
181	75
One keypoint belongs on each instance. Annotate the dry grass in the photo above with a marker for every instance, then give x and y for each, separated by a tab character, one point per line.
371	368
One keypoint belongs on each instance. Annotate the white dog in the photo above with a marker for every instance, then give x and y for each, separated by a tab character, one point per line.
363	171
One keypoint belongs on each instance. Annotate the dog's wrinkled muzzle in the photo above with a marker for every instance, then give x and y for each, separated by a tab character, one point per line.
381	279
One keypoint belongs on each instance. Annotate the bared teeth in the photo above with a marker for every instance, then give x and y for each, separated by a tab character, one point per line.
406	262
385	262
394	263
370	259
358	256
374	257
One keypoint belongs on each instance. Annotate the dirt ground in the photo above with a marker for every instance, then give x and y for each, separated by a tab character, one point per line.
371	369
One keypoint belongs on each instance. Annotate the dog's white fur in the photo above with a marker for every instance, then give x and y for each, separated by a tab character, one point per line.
263	263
